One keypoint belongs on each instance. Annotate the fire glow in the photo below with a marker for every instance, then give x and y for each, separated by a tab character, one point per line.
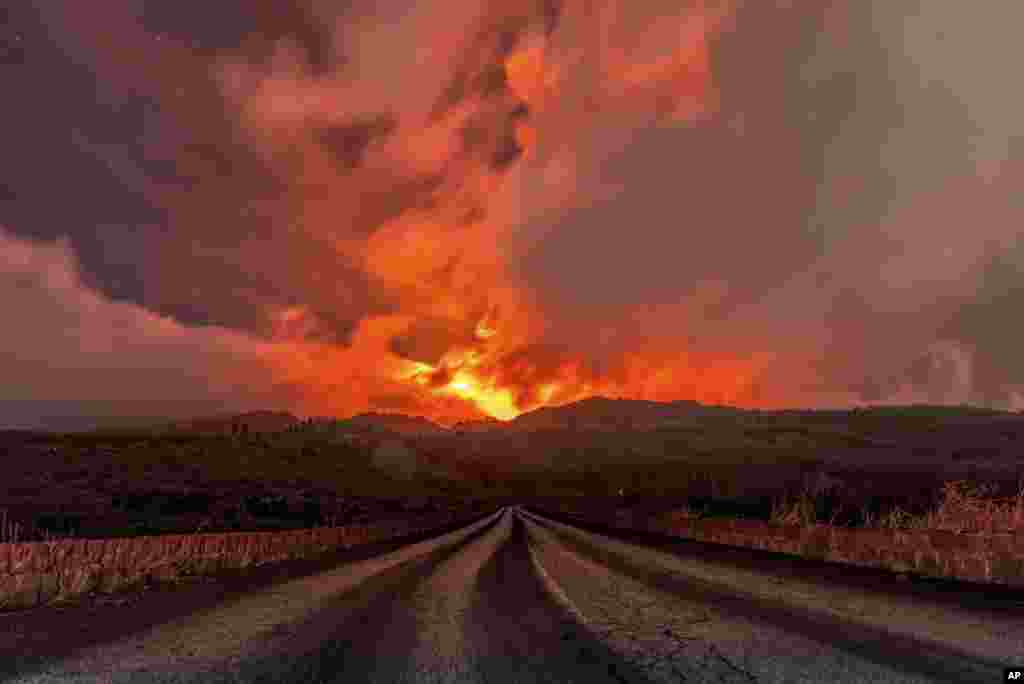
447	349
333	208
475	377
441	265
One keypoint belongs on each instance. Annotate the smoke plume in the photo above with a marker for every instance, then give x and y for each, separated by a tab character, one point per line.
502	205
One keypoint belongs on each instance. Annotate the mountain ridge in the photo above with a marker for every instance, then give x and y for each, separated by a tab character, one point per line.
593	413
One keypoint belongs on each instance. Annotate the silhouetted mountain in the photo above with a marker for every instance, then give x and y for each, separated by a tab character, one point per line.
254	421
482	425
602	413
397	423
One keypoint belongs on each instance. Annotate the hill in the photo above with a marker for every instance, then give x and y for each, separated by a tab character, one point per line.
254	421
396	423
482	425
602	413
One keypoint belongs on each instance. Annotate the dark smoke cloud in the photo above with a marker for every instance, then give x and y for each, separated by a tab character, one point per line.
848	207
70	352
826	192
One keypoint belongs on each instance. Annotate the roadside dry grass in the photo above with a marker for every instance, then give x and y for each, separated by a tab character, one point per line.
12	532
964	507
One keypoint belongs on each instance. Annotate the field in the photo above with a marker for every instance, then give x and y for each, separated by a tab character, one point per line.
951	468
98	485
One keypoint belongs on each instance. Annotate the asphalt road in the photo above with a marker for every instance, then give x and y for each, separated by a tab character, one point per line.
520	598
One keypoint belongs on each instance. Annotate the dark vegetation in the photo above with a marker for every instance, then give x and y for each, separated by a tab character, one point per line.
120	484
851	467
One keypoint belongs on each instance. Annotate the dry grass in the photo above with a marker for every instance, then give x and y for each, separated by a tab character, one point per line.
968	506
11	532
800	511
965	507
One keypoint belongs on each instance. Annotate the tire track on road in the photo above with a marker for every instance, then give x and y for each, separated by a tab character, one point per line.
527	634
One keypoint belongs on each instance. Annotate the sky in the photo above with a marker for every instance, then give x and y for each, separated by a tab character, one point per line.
331	207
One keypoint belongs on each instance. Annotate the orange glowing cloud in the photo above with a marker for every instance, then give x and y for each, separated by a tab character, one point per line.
507	205
467	339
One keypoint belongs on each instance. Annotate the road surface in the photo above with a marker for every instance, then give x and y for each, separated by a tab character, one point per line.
517	597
